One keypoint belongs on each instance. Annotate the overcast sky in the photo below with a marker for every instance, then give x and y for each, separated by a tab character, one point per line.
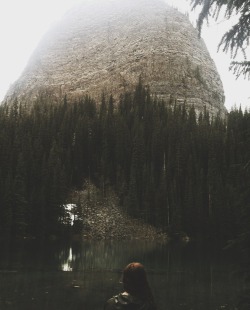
23	22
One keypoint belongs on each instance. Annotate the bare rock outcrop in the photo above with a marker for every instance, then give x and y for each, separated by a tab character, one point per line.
103	218
105	46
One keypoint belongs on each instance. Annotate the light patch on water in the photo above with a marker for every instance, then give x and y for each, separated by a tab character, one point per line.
67	264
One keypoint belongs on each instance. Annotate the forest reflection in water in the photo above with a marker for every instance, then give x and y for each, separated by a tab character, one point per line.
83	275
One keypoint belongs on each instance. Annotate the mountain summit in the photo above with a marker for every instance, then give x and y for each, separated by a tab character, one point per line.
106	46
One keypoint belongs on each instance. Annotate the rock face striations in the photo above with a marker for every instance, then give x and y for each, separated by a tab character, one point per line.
105	46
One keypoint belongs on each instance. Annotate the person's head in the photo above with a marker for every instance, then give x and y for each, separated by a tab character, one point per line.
135	280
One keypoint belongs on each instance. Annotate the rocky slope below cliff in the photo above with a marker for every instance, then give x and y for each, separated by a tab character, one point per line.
103	218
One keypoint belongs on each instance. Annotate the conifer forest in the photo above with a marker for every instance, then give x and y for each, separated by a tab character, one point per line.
169	166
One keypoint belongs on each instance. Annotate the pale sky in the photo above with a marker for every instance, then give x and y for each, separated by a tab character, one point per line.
24	22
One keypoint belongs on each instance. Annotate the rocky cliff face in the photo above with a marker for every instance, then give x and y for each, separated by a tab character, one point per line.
106	46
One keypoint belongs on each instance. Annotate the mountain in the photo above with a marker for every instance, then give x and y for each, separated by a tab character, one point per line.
107	46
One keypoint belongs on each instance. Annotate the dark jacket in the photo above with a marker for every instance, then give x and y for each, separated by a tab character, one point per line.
128	302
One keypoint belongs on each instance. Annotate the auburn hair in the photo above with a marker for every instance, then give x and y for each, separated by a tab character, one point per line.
135	281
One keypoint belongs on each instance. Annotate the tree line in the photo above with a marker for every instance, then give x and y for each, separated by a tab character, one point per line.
169	166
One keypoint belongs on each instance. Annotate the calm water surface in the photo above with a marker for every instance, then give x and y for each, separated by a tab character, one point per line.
187	276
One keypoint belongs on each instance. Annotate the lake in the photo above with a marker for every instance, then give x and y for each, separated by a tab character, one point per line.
48	276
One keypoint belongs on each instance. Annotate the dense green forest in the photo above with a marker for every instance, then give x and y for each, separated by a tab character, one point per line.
170	167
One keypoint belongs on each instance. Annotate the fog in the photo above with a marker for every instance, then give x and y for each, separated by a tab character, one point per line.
23	23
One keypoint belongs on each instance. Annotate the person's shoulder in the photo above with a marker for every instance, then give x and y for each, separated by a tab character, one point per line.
111	303
127	302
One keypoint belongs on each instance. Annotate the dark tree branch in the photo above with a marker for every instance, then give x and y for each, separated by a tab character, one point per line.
235	39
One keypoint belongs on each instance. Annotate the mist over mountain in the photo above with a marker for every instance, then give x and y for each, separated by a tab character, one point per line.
107	46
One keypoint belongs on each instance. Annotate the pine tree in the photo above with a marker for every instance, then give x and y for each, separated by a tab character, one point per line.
236	38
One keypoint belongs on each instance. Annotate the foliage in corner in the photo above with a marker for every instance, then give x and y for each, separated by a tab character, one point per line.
237	37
